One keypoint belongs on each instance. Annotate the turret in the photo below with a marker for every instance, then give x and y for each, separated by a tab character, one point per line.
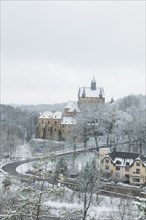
83	93
79	92
93	84
100	94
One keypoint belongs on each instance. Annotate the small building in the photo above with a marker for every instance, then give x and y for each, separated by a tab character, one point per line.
91	95
71	108
124	166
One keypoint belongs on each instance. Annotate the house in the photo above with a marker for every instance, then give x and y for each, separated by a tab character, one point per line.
124	166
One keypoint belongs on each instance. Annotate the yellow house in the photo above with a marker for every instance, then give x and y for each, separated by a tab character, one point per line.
124	166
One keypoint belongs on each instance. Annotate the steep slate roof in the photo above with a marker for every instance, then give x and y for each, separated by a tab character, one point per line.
123	155
125	158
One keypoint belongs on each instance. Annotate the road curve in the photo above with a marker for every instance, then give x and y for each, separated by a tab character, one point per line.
10	168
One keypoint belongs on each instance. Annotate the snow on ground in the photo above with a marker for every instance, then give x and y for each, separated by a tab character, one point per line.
104	208
80	161
23	151
25	167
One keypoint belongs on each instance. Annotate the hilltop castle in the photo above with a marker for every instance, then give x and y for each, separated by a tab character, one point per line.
58	125
91	95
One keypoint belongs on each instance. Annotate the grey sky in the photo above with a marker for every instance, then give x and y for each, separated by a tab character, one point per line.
49	49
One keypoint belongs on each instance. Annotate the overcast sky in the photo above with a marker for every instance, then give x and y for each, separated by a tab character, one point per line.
50	49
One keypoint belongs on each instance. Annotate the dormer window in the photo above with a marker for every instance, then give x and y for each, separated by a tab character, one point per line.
127	163
118	162
107	160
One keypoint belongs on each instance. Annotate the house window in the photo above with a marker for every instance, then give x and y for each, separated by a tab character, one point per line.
138	171
42	122
107	167
138	164
117	168
55	129
107	160
127	163
126	169
118	162
137	180
48	122
48	129
55	122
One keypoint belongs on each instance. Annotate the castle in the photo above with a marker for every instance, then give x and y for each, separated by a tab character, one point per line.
58	125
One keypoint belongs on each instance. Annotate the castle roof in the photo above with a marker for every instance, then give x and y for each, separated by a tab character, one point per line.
72	106
51	115
68	120
91	93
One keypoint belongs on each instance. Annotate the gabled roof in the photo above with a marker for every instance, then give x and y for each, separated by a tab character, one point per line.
72	106
125	158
